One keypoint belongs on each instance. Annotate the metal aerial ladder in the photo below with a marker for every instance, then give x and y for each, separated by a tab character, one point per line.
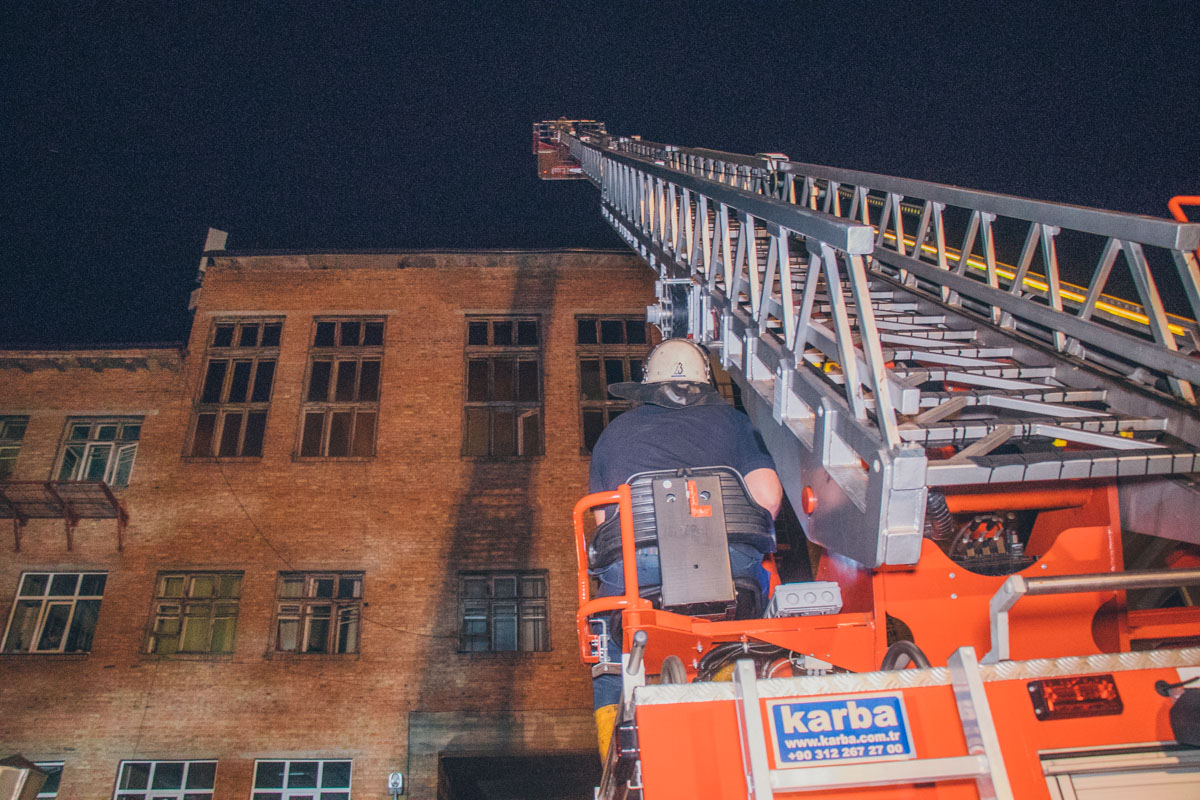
881	363
913	357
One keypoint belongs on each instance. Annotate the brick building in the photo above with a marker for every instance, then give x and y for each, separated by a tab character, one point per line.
325	540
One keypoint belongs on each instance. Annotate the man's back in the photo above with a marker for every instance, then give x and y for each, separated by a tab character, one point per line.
651	437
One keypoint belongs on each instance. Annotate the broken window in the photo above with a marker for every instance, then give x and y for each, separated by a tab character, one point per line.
53	770
195	612
502	611
99	449
55	612
611	350
503	387
235	389
318	612
166	780
326	779
340	411
12	432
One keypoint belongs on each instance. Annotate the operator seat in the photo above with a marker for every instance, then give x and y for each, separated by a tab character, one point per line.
692	516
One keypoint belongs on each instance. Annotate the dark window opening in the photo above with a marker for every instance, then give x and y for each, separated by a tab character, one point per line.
503	611
341	409
12	433
503	391
610	350
235	394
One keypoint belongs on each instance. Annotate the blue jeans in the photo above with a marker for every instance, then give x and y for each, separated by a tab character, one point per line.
744	562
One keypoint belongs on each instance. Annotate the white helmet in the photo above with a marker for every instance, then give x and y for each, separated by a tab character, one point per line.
677	360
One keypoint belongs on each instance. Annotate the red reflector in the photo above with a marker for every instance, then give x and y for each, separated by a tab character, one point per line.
1065	698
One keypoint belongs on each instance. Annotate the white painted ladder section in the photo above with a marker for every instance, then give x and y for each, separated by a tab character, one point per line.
984	762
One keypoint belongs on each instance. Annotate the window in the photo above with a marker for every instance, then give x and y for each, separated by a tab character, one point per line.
503	611
503	388
53	770
231	411
166	780
611	350
318	612
12	431
341	400
55	612
301	780
100	450
195	612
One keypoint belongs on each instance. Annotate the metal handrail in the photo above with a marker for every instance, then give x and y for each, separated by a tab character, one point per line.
1040	304
1018	586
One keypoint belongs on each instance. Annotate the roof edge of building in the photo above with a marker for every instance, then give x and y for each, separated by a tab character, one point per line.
99	350
444	251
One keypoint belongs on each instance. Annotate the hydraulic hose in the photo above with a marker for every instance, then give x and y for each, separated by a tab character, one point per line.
904	649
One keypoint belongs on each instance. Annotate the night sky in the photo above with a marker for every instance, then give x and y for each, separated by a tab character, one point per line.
126	133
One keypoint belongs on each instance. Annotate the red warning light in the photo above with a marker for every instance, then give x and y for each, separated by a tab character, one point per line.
808	500
1067	698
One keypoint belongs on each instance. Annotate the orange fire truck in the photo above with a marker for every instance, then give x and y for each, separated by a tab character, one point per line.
996	464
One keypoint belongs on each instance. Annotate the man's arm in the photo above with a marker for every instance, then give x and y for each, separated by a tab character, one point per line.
766	489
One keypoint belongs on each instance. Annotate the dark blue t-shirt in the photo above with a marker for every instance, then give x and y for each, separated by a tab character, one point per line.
651	437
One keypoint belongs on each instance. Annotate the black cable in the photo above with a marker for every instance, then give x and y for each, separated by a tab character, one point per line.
906	649
1164	688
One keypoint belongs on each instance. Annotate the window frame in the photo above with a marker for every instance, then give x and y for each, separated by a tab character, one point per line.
222	409
305	604
520	410
609	407
10	444
49	601
287	793
159	612
520	604
151	793
113	461
42	765
357	408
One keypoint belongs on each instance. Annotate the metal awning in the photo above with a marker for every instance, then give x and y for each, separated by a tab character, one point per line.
71	501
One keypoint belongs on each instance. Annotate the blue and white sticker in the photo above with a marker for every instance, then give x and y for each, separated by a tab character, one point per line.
840	729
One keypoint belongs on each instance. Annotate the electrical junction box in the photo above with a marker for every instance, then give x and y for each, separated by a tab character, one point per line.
805	599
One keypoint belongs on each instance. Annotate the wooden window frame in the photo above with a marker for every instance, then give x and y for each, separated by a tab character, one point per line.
46	601
210	435
630	355
53	769
491	607
122	450
526	442
149	792
168	608
12	434
348	414
304	608
286	792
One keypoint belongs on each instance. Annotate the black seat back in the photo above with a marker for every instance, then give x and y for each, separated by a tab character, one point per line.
694	544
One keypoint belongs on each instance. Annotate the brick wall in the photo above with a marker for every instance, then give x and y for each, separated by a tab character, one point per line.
410	518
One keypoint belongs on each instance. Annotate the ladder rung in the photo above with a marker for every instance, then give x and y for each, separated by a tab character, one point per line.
886	773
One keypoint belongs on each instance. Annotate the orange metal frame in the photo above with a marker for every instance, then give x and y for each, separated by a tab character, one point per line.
690	749
944	605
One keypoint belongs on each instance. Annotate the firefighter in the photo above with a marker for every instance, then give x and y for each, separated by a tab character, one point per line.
678	420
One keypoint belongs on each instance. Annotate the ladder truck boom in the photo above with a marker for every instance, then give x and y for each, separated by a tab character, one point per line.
965	433
869	348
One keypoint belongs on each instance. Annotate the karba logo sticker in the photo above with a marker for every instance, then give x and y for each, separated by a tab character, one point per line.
840	729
